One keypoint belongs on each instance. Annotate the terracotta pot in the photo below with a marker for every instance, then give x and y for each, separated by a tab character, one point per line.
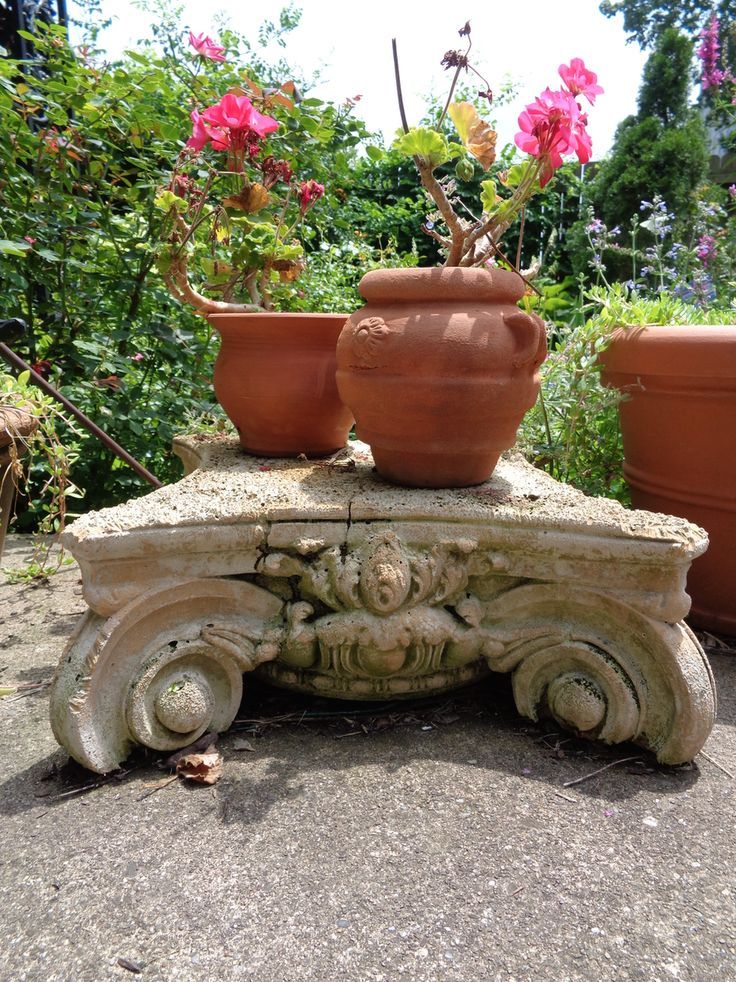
678	424
275	379
439	368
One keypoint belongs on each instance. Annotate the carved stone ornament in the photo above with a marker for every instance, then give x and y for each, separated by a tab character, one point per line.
358	590
381	619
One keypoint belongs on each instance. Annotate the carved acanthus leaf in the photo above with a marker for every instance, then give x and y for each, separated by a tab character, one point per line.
247	647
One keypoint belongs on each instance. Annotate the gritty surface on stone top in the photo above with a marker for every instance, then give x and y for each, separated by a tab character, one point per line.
231	487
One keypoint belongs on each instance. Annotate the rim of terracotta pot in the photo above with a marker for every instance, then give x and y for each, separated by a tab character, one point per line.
279	316
444	283
695	350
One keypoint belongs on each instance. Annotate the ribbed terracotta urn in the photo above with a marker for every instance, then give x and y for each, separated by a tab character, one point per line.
678	423
275	379
438	369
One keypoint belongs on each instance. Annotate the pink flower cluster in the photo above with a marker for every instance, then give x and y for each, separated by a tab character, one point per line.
231	124
554	125
711	75
206	47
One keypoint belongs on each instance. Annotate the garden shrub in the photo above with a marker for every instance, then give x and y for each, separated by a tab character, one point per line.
84	151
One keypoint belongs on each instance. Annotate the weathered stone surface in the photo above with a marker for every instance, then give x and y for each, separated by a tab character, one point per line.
357	589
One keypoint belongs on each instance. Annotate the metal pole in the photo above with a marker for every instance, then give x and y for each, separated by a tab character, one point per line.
22	366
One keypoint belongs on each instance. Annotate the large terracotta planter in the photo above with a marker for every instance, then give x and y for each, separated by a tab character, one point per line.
678	424
439	368
275	379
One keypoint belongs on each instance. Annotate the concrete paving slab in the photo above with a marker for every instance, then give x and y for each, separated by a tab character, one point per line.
426	841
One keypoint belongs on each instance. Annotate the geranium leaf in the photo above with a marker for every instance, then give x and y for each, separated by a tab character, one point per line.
425	143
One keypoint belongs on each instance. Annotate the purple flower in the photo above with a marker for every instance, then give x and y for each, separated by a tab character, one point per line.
711	76
707	249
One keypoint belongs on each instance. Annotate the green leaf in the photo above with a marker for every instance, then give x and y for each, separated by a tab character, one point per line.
516	174
425	143
11	248
168	200
488	196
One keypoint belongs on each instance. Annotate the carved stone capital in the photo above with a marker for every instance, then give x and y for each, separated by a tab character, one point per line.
328	581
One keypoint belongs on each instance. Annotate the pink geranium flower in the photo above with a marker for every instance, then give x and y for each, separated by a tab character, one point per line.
206	47
201	135
580	80
233	124
239	119
551	127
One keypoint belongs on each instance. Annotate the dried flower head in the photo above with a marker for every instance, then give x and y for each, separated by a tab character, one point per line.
454	59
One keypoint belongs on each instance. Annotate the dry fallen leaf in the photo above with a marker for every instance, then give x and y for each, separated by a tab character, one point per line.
243	745
130	965
204	768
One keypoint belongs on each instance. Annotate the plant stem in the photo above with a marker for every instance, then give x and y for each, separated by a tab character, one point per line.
437	194
454	83
545	418
521	237
399	95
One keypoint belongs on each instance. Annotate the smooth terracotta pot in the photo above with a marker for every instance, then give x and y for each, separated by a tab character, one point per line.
678	424
439	368
275	379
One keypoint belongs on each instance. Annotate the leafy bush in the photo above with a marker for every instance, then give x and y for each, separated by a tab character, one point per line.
84	151
48	465
573	430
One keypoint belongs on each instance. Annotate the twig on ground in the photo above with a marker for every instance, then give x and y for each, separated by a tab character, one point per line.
566	796
715	763
157	787
28	688
91	785
587	777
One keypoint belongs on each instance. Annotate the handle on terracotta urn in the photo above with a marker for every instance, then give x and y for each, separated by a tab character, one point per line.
529	334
